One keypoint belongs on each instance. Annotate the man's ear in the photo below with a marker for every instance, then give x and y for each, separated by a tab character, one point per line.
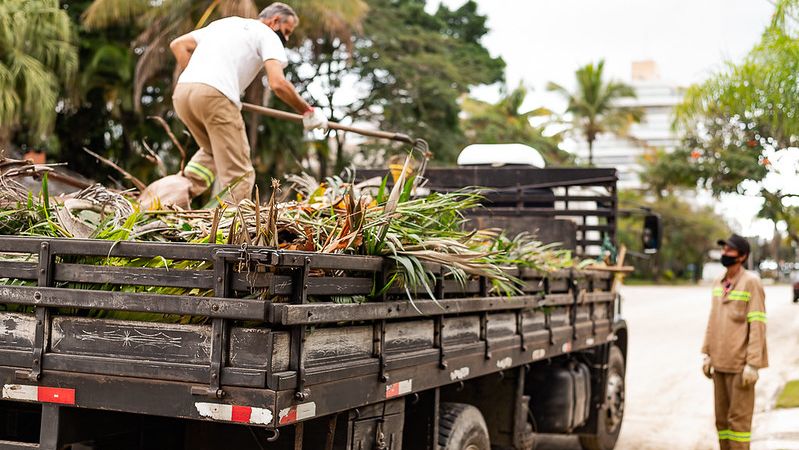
270	22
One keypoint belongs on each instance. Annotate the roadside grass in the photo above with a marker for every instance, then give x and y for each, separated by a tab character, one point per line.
789	398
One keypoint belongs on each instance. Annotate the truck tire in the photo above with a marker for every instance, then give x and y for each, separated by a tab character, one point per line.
612	412
462	427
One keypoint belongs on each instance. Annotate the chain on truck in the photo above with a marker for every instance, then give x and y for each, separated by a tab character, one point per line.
468	371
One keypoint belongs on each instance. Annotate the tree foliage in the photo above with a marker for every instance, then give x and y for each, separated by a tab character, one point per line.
383	63
38	59
160	22
689	232
739	124
503	122
416	65
593	106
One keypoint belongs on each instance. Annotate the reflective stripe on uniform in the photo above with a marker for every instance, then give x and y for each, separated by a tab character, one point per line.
756	316
737	436
201	171
742	296
718	292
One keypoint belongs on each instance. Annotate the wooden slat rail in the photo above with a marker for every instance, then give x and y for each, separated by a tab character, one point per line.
319	313
229	308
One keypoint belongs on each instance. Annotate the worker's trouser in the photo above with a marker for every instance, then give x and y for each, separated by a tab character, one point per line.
734	407
217	126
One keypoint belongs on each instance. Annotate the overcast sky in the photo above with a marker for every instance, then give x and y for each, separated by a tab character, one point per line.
547	40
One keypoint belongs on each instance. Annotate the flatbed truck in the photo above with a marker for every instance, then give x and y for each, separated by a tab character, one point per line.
300	369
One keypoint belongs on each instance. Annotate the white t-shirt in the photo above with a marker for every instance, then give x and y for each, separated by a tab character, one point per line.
229	54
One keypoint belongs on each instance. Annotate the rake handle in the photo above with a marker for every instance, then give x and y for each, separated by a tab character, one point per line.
278	114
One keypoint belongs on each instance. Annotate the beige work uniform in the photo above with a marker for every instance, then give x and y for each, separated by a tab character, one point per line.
735	337
217	126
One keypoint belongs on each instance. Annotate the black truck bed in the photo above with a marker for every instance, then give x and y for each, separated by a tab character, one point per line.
292	353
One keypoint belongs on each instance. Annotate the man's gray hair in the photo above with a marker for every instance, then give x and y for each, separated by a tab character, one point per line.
279	9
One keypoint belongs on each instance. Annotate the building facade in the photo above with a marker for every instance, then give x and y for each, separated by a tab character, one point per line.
657	98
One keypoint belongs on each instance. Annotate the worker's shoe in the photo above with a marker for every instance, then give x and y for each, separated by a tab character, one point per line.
170	191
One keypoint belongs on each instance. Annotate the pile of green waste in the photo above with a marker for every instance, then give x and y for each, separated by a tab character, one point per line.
334	216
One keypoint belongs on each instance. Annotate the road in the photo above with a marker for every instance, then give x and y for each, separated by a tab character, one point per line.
669	401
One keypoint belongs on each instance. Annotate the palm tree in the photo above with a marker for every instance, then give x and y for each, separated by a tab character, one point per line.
594	108
163	21
37	58
503	122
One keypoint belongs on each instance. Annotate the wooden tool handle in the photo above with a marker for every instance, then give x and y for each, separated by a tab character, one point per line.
278	114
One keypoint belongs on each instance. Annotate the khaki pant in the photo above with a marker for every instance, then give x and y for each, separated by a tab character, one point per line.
217	126
734	407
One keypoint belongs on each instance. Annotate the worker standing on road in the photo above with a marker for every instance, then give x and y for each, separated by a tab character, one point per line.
218	62
735	344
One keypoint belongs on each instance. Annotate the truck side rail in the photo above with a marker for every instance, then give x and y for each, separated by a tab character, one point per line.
269	333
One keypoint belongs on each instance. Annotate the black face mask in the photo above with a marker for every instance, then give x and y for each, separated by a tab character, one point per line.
728	261
282	38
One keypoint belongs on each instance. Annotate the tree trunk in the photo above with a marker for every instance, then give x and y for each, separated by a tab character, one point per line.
5	142
340	137
322	152
590	152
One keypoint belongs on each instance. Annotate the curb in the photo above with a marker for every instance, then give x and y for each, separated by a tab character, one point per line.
777	429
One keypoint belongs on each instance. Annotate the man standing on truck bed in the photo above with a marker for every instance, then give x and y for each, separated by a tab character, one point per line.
735	344
218	62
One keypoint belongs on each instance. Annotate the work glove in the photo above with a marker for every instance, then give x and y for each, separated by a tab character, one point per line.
314	118
749	375
707	369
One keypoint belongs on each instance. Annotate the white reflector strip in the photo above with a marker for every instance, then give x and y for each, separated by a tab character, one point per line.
45	394
504	363
399	388
234	413
297	413
21	392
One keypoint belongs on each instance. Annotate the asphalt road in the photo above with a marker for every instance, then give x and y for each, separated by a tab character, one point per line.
669	401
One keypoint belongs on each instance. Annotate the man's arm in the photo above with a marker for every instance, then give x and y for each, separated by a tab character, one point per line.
708	328
283	87
182	47
756	355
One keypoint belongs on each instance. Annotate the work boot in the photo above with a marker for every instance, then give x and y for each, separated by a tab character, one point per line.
170	191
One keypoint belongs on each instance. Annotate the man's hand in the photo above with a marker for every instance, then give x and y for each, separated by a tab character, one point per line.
314	118
707	368
749	375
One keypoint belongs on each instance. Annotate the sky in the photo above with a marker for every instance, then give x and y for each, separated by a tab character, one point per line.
547	40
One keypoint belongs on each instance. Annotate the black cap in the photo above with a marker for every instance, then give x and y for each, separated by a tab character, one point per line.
737	242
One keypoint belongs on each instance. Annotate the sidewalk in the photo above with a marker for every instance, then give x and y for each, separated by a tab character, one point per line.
777	429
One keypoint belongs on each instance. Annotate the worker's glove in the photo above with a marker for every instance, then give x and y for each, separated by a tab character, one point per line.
314	118
749	375
707	369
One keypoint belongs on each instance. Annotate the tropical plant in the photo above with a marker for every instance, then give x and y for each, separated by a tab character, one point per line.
38	60
331	217
593	106
503	122
740	128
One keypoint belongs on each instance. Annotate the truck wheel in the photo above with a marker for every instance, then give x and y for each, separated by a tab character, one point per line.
612	412
462	427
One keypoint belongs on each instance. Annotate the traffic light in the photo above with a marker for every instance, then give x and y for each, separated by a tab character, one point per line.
652	233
